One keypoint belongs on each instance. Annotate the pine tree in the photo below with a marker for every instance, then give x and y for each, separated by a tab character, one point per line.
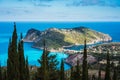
21	59
107	71
27	75
62	74
84	65
0	72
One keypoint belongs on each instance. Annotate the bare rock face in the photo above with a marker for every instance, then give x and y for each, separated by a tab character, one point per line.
57	38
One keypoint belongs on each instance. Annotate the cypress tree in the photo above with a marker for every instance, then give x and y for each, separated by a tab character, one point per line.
43	70
27	75
115	74
76	73
53	67
78	70
9	62
5	75
62	75
48	64
118	71
84	65
93	77
99	73
107	71
21	59
0	72
15	54
72	74
13	61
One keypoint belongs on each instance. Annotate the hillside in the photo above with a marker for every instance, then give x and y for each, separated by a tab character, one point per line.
72	59
113	47
57	38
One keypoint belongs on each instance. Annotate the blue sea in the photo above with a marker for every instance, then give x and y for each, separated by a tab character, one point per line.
6	29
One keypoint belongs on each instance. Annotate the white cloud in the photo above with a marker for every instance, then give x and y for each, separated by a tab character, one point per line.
55	10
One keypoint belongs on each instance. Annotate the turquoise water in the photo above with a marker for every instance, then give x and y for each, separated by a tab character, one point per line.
6	28
33	54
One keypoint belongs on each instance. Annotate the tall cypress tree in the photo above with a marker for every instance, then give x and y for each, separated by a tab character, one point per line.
84	65
77	72
48	67
21	59
115	74
99	73
9	61
15	54
118	71
93	77
27	75
0	72
53	67
13	61
4	75
72	74
107	71
43	70
62	74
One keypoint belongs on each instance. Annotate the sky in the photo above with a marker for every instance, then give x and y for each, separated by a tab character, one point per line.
59	10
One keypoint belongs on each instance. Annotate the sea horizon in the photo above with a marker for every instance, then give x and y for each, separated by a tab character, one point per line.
84	36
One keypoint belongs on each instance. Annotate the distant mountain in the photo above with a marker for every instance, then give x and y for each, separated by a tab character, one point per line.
57	38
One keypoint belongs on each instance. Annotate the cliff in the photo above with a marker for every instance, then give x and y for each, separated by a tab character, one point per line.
57	38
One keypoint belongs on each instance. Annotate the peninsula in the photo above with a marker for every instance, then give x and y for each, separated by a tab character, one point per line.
59	38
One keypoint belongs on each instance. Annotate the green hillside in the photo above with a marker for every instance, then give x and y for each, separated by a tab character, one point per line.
57	38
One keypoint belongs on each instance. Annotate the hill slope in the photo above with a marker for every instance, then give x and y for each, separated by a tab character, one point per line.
57	38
